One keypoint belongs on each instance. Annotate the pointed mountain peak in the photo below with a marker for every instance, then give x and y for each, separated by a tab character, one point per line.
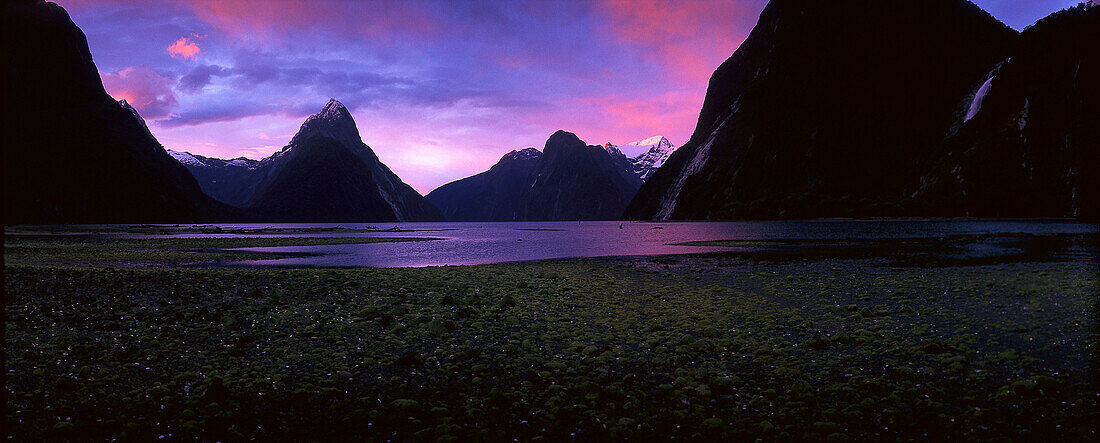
333	110
655	144
334	121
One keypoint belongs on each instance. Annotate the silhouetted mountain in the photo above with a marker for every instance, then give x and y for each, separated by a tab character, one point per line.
227	181
1026	140
322	182
299	184
573	181
493	195
826	109
72	154
335	121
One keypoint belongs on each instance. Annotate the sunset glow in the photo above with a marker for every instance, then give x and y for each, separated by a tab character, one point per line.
440	90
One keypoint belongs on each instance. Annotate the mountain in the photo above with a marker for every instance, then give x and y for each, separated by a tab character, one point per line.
227	181
573	181
647	155
71	153
827	109
322	181
1025	140
327	173
493	195
568	180
335	121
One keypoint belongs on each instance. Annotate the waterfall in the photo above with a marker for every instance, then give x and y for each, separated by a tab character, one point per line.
976	103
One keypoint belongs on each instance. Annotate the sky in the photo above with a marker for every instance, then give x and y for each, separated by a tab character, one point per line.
439	89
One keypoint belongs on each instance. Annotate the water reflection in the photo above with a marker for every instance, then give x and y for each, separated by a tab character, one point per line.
480	243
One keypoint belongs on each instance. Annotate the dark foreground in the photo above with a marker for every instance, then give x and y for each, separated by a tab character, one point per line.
781	346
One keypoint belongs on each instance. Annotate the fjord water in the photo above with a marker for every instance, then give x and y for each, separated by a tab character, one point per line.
497	242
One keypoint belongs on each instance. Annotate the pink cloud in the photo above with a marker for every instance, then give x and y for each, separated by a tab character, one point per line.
690	38
622	119
186	48
277	19
148	92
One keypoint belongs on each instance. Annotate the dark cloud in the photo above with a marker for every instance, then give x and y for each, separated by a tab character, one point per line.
199	77
216	113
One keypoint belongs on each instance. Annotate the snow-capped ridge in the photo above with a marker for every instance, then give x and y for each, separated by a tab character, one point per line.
186	158
243	162
636	148
522	154
647	155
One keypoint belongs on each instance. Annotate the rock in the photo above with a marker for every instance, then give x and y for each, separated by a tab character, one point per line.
802	389
409	358
404	403
817	343
931	347
711	332
67	384
436	328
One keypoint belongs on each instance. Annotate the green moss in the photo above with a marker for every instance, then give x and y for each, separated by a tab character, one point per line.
714	348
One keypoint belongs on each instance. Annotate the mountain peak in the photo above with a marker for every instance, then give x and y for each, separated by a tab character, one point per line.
651	141
333	109
639	148
561	139
522	154
334	121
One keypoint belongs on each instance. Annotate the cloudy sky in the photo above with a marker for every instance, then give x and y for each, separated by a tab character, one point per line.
439	89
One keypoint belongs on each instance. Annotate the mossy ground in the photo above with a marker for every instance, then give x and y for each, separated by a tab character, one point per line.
717	347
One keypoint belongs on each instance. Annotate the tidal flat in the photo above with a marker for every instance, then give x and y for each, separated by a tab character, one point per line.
783	346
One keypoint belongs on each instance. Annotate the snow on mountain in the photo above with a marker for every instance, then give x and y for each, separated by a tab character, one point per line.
523	154
197	160
242	162
186	158
637	148
646	155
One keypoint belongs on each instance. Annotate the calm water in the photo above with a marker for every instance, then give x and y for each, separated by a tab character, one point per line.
480	243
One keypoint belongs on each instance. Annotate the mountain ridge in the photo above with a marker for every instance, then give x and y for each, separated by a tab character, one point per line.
75	154
646	155
825	110
492	195
257	184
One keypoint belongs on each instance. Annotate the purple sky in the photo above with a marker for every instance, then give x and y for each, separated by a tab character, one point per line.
439	89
